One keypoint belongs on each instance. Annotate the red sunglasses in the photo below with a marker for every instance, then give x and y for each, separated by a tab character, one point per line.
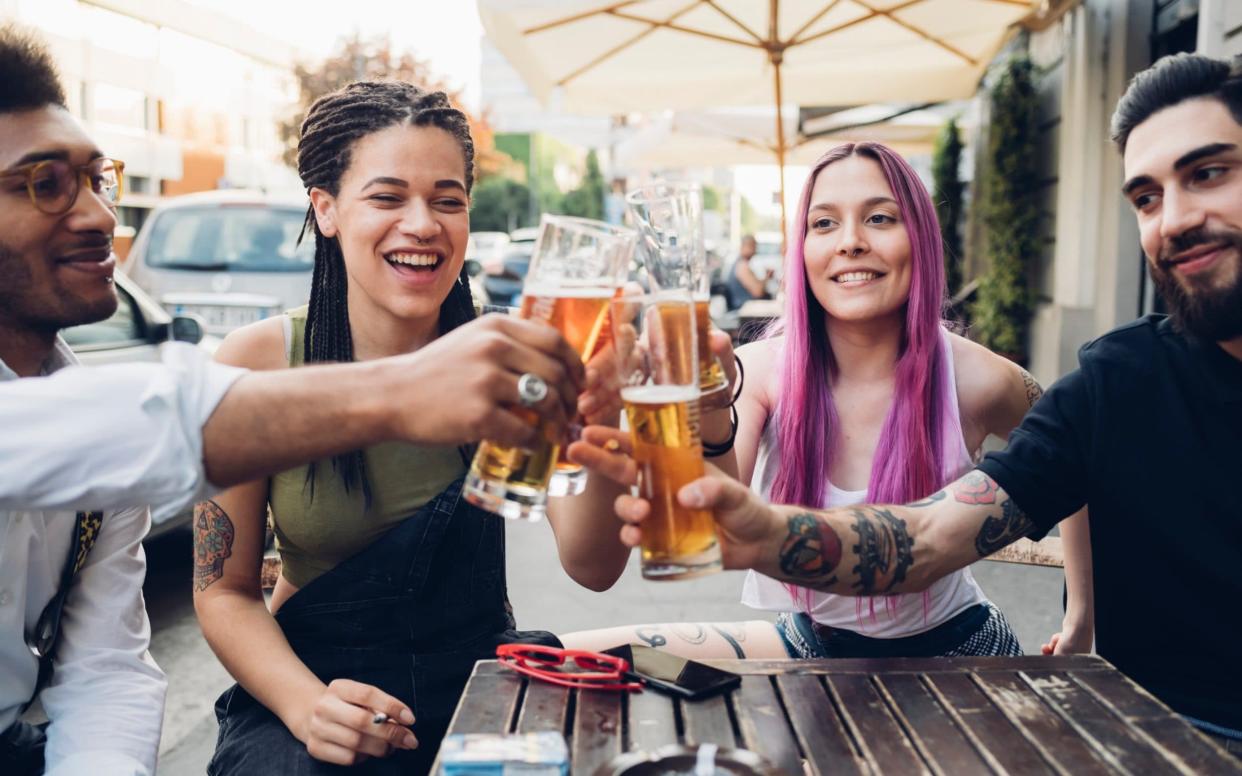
594	671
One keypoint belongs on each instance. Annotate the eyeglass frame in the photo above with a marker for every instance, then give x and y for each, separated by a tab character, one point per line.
79	174
614	669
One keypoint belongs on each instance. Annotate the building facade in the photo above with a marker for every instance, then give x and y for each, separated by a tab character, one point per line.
188	98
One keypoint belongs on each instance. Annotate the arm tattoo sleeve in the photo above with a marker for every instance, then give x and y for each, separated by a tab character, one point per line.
885	550
213	542
1033	391
997	532
812	550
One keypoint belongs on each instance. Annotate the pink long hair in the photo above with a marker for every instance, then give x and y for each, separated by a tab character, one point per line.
909	461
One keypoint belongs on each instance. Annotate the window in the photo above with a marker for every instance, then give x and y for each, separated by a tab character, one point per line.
232	238
125	327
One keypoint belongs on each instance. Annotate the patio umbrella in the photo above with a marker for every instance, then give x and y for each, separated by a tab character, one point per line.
729	136
597	57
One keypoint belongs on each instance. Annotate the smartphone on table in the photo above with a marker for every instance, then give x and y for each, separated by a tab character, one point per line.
674	675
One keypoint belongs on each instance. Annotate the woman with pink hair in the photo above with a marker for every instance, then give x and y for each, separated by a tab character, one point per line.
858	395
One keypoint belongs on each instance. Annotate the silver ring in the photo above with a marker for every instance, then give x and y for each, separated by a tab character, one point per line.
531	389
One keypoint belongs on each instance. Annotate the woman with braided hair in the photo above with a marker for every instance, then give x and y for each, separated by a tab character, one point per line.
391	585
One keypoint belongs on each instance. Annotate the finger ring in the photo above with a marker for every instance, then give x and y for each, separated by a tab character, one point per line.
612	445
531	389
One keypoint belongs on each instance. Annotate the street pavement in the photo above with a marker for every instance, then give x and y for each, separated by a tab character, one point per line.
543	597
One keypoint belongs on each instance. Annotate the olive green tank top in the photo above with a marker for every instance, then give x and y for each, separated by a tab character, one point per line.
315	534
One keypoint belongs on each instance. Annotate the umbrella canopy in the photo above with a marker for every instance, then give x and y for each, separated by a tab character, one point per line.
598	57
729	136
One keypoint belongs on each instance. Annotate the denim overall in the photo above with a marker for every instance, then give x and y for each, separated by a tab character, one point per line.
410	614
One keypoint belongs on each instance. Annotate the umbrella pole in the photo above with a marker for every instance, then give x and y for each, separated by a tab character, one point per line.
776	54
780	140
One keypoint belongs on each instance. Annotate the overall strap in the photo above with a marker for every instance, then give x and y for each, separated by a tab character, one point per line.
42	641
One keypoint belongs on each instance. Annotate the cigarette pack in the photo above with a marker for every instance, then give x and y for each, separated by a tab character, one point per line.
490	754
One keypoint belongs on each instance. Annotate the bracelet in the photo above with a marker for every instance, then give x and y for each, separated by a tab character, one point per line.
741	380
711	450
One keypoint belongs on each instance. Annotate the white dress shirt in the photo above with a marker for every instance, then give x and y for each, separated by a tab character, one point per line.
113	437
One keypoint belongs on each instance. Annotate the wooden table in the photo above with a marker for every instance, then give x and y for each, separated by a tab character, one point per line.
1066	715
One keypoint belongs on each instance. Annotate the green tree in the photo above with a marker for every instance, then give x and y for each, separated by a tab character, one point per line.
1010	215
946	162
499	205
587	201
712	200
356	59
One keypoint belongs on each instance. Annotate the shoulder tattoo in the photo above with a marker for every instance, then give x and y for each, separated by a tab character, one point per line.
213	542
1033	389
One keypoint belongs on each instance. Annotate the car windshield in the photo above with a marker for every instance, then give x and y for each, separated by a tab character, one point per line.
230	238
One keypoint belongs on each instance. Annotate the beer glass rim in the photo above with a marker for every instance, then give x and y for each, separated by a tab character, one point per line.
660	295
651	192
590	225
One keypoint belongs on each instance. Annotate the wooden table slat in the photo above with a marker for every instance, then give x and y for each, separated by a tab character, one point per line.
653	722
596	729
1175	738
917	665
488	702
989	730
707	721
820	733
941	742
545	707
885	745
1107	732
762	726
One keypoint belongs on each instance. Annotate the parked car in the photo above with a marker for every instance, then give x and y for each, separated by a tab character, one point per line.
488	248
505	287
229	257
134	333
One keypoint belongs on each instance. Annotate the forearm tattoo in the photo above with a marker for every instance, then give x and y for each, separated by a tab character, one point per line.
693	633
213	542
1033	390
998	532
927	502
812	549
885	550
975	488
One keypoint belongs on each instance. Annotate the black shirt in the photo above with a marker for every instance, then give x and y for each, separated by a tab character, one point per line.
1148	433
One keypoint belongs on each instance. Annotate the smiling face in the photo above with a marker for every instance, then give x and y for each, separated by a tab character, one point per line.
55	270
1183	168
402	217
857	250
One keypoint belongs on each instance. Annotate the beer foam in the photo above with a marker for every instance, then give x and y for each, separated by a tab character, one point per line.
659	394
570	292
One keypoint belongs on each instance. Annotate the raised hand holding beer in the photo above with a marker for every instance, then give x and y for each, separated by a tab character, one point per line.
577	268
657	358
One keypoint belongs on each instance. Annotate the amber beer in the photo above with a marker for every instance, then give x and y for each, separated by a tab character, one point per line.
664	424
712	380
581	315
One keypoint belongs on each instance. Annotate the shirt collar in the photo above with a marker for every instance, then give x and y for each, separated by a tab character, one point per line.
60	357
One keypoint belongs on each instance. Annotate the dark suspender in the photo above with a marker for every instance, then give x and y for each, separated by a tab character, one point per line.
42	640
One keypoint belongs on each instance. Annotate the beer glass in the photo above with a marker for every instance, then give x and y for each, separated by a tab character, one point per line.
669	218
577	268
656	349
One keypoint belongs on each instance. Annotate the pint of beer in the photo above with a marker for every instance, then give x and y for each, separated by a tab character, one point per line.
656	349
669	217
577	268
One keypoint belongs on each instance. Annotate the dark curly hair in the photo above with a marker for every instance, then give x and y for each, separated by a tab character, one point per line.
28	77
334	123
1172	80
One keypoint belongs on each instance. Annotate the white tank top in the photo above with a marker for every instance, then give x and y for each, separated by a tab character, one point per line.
884	617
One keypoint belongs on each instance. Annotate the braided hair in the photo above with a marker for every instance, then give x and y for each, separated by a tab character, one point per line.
334	123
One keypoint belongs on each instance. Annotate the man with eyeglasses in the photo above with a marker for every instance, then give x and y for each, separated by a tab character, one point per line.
77	440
